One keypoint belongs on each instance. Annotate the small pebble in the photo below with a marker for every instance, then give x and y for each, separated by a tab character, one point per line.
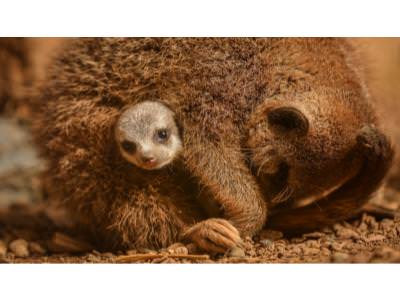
311	251
312	244
267	243
107	255
3	249
236	252
346	233
340	257
296	250
178	248
93	258
336	246
384	251
19	248
375	238
386	224
36	248
314	235
325	251
298	240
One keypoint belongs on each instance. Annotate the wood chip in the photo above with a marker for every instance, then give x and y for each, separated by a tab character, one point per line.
62	243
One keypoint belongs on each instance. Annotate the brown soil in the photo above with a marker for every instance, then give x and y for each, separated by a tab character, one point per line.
31	232
40	234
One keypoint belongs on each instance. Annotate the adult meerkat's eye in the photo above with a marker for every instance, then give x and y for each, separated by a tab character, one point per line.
128	146
162	135
288	119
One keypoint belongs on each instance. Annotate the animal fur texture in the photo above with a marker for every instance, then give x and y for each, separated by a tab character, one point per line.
215	86
321	129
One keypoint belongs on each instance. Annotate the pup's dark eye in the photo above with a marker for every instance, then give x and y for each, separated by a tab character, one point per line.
128	146
162	135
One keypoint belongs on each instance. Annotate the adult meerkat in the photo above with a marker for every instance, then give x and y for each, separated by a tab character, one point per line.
315	139
212	84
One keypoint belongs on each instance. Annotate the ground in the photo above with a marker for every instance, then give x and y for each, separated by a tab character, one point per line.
34	232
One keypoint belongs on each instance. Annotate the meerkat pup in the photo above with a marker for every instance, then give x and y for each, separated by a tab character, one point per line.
147	135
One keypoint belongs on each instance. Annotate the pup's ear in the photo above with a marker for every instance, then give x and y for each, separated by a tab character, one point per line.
288	119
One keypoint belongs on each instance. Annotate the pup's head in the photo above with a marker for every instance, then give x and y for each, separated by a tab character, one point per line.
147	135
301	142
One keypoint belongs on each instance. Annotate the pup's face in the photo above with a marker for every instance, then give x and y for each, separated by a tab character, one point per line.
147	135
300	145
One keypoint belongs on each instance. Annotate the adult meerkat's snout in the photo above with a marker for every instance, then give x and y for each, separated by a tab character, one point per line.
300	144
147	135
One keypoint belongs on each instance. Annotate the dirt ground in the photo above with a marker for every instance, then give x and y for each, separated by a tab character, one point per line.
31	232
40	234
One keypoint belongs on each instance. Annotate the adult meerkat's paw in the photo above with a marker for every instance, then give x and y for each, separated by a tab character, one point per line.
214	235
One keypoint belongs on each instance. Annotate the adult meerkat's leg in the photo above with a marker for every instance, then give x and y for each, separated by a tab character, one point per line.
223	171
376	154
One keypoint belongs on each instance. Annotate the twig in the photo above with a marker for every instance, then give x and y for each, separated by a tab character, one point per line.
61	242
379	211
139	257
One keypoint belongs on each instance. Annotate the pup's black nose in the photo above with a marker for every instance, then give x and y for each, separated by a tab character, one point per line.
147	158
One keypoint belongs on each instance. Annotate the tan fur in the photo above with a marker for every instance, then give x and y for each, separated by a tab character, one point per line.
95	78
322	79
213	85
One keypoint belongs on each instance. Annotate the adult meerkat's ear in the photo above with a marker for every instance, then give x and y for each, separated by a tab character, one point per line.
288	119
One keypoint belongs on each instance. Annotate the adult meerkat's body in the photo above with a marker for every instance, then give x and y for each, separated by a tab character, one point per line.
213	85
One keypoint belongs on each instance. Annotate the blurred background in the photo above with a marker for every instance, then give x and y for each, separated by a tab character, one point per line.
23	65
